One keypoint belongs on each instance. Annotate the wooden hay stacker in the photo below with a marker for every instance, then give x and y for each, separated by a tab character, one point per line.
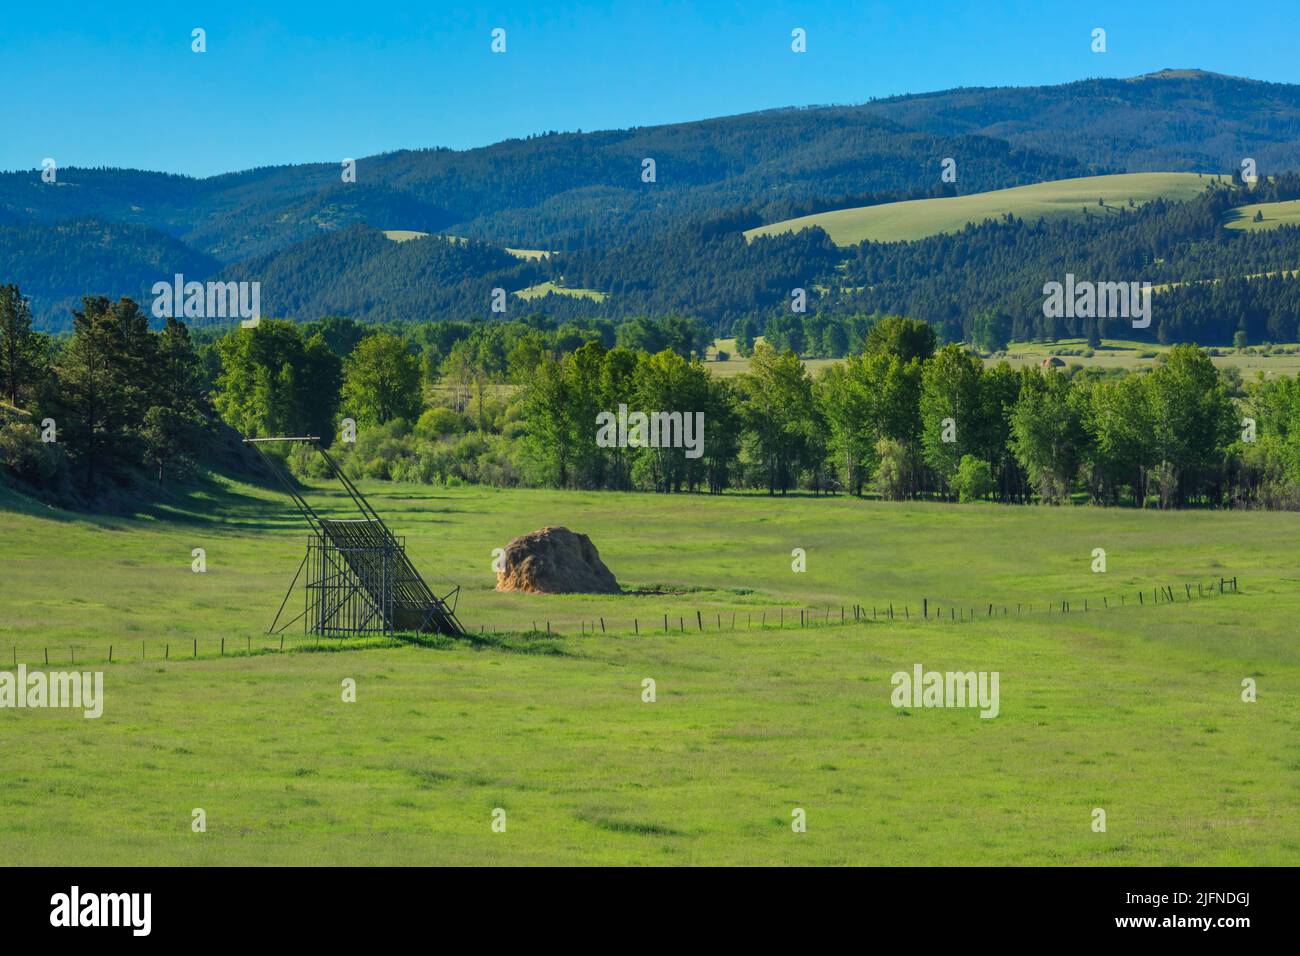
359	579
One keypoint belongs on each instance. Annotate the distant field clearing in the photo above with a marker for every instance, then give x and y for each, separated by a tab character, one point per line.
546	288
1274	214
402	235
1278	359
918	218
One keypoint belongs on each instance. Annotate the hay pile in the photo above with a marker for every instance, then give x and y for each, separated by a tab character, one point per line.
555	561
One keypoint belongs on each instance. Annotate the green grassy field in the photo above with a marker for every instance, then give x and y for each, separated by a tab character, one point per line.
1275	214
546	288
405	235
918	218
1114	353
1117	353
737	364
1135	709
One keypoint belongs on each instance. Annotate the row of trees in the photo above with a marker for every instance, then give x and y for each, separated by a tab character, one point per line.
513	403
99	408
904	419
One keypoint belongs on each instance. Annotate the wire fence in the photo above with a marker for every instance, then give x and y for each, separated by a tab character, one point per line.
697	621
786	617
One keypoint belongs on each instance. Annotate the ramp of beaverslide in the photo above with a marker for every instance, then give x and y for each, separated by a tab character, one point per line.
378	561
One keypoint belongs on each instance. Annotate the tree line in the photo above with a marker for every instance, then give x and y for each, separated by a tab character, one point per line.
519	404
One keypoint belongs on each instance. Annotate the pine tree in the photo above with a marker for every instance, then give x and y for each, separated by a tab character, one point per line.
21	349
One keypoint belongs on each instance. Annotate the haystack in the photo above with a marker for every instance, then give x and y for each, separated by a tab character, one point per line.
555	561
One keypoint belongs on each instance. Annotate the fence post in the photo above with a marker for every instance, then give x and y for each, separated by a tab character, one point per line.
699	620
110	653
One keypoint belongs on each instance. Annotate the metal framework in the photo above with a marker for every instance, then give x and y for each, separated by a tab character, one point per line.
359	578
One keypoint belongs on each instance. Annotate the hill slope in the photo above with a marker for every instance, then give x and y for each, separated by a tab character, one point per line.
1181	120
918	218
1273	215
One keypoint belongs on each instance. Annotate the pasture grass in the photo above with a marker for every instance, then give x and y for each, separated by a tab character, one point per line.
1136	710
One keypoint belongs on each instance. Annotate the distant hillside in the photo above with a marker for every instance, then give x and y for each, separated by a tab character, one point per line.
619	245
361	273
1180	120
55	265
551	191
918	218
1272	215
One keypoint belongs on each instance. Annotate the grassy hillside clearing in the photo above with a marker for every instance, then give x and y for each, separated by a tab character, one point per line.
1275	214
546	288
403	235
918	218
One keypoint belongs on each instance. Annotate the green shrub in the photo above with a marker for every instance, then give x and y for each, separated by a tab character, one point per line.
440	421
974	479
34	461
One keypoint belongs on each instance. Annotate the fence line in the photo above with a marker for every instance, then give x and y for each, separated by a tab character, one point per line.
825	616
829	615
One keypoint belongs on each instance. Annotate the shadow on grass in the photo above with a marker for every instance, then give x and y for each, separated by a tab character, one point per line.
530	642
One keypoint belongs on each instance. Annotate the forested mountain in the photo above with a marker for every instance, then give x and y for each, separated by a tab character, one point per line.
673	245
62	261
551	191
1173	120
359	272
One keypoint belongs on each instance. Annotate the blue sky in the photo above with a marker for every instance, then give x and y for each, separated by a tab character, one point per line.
116	84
